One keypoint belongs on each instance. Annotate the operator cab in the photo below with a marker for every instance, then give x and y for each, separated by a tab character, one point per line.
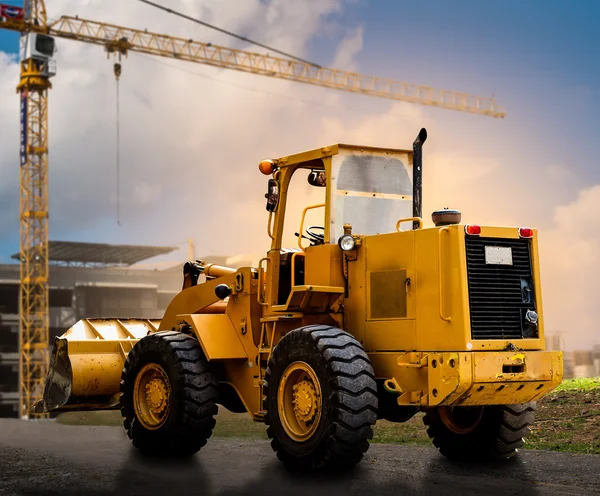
39	48
314	195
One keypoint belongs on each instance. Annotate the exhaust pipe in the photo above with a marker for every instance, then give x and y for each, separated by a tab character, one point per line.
418	175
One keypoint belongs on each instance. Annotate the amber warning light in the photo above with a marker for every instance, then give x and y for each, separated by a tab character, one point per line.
473	230
525	232
266	167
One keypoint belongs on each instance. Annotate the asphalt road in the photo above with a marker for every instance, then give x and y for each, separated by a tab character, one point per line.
48	458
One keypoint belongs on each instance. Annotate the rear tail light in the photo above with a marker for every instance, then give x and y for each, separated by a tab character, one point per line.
473	230
525	232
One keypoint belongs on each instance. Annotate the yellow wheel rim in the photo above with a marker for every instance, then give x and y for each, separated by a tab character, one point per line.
299	401
152	396
461	420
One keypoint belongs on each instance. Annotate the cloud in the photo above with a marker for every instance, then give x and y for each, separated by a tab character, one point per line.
570	261
192	136
348	49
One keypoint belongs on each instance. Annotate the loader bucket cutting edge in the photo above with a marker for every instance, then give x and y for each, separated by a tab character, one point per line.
58	381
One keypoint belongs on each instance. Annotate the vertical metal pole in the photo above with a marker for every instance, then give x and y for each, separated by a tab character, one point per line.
418	175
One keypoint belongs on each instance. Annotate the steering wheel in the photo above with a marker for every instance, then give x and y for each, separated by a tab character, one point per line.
316	235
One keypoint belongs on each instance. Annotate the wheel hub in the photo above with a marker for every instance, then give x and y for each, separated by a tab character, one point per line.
299	401
305	401
156	395
152	396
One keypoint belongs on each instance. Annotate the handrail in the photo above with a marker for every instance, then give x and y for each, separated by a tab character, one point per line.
302	222
414	219
440	275
269	222
259	294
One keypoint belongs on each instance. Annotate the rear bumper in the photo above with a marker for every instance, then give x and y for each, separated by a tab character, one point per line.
470	378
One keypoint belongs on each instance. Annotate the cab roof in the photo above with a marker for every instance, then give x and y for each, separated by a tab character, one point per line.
328	151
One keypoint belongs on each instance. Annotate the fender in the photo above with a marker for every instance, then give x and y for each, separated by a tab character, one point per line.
217	336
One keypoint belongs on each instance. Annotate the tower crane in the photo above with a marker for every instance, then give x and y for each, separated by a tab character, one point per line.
37	45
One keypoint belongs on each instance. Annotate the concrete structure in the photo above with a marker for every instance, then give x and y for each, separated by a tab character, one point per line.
87	280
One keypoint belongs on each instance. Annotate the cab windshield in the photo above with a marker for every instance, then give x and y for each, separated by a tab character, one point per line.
371	192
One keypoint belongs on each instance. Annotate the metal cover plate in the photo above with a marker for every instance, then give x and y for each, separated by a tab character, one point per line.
498	255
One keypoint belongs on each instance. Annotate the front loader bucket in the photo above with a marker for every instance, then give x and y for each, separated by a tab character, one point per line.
86	364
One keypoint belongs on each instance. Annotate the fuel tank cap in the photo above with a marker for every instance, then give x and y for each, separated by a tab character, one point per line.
446	217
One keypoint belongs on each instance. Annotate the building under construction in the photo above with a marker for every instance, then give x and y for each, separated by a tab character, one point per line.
87	280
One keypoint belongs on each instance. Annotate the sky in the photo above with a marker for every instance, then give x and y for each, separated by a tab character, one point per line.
192	135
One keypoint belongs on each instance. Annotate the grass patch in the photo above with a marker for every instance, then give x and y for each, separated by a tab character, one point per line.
577	385
568	419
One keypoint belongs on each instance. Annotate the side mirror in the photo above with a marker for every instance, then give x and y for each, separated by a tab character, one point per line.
272	195
317	178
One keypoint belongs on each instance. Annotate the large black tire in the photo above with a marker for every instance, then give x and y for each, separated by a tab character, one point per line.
190	418
348	400
498	434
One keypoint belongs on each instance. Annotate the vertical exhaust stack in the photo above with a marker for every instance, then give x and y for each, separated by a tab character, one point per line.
418	175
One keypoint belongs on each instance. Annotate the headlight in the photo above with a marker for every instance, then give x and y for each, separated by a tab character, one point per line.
346	242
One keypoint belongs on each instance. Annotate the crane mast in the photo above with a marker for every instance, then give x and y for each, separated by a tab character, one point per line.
37	67
33	298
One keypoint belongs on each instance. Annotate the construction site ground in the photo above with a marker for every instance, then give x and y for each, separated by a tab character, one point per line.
51	457
568	420
46	457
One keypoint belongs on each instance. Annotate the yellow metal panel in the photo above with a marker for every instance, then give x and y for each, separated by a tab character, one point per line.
514	366
310	298
355	305
307	156
388	294
392	256
193	299
393	252
217	336
97	366
111	329
317	265
462	378
384	335
537	284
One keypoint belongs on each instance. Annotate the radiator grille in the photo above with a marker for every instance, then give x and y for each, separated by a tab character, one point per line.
500	295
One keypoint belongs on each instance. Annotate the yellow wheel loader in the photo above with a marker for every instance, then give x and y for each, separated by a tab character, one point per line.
369	316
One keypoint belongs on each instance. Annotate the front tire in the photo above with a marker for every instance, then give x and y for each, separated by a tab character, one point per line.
168	395
321	399
476	433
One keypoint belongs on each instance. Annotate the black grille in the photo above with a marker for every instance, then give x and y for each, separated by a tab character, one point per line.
500	295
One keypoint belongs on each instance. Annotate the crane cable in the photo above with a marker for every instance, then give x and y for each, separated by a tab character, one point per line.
221	30
117	69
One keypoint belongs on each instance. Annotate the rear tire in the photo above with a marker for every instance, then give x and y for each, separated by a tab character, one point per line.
476	433
320	398
168	395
